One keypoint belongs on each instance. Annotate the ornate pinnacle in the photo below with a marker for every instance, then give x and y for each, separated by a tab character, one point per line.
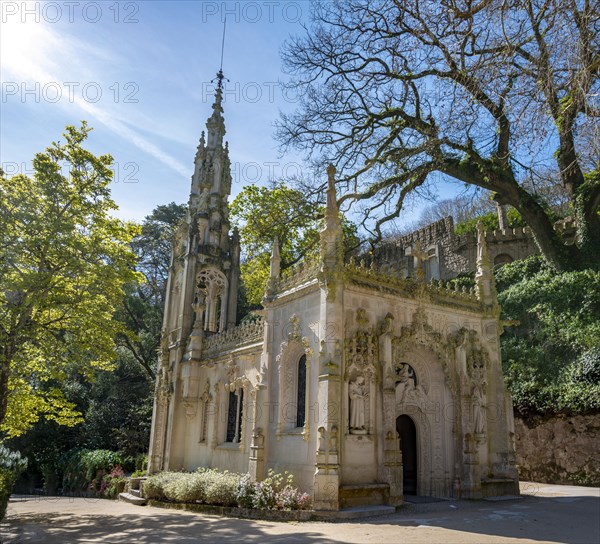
331	176
331	211
484	278
275	259
482	250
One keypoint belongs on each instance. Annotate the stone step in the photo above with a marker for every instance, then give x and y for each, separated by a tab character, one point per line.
135	483
135	492
132	499
357	495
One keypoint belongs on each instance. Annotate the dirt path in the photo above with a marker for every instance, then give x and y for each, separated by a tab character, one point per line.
544	514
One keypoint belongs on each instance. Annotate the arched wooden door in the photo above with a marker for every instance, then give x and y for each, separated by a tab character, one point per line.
408	444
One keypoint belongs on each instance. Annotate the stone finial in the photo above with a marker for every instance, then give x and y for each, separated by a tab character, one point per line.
332	207
484	278
275	259
482	250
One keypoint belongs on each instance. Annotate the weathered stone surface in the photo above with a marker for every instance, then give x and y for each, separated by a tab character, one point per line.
364	384
560	450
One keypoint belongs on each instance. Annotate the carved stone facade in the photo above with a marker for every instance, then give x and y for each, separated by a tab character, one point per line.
359	381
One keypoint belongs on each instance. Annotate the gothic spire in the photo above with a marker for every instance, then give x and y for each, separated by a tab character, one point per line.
216	124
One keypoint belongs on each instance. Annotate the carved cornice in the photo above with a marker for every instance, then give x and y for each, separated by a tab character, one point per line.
434	292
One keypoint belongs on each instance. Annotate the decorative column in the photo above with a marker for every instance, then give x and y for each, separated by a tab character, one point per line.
327	475
391	471
256	462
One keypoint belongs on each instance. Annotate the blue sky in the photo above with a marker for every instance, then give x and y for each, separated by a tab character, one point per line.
140	73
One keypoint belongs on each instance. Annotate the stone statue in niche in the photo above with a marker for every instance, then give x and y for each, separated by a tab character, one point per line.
405	380
359	395
203	200
407	388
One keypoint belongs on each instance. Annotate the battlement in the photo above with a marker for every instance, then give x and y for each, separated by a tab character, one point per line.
495	236
428	234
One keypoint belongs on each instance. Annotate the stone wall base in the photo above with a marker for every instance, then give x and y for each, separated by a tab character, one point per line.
559	450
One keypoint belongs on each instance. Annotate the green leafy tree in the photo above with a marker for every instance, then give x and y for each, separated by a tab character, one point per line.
142	309
490	222
497	94
261	213
63	266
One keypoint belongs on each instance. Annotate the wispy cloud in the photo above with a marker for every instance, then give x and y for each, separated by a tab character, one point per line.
30	56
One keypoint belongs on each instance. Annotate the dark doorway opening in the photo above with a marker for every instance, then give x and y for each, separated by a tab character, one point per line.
408	444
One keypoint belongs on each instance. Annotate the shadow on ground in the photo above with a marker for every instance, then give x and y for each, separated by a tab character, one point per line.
65	527
572	518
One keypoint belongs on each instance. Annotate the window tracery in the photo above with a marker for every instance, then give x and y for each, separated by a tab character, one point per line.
294	375
211	299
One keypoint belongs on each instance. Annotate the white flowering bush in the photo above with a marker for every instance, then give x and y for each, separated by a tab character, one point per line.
211	486
187	488
155	485
222	487
275	492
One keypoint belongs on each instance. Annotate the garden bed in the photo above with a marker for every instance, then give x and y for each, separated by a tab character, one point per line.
237	512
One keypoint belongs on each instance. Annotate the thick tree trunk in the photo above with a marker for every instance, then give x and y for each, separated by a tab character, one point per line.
552	246
4	375
508	191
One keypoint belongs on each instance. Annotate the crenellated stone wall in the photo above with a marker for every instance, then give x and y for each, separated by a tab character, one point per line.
453	254
559	450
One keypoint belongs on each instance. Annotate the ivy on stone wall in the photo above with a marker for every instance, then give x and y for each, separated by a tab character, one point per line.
551	357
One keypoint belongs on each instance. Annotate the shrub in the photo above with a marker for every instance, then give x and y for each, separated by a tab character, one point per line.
222	488
11	466
188	488
211	486
246	492
82	466
551	358
154	486
275	492
110	485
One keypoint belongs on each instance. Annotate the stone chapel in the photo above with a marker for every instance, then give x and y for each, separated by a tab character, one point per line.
365	384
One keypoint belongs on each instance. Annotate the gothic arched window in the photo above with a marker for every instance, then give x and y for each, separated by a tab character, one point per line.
294	378
234	416
212	298
301	393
